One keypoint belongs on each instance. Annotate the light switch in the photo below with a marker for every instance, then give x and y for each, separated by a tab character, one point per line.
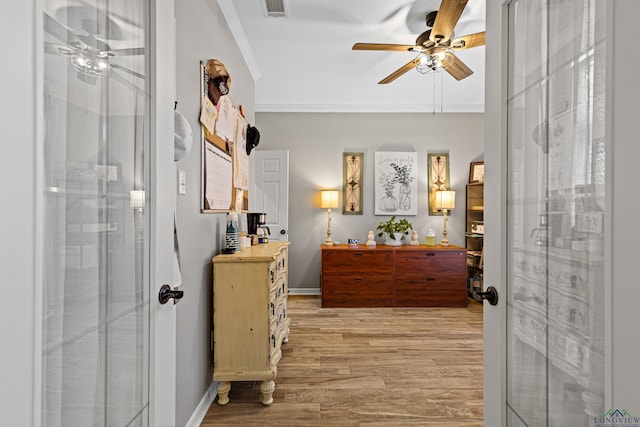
182	182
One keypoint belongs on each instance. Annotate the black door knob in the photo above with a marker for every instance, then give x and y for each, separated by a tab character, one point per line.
283	231
491	295
166	293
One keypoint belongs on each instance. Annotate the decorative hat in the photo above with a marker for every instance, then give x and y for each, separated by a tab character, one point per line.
183	136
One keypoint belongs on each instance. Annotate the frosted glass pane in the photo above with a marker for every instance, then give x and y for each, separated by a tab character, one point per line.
556	211
527	58
95	309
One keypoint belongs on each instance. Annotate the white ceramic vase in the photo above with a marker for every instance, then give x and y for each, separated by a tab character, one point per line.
396	241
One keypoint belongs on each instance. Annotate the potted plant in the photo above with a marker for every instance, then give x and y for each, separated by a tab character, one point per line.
394	230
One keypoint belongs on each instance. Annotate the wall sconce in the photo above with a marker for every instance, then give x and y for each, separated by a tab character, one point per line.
329	200
445	200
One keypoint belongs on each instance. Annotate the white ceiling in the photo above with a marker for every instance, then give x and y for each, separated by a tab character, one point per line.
304	61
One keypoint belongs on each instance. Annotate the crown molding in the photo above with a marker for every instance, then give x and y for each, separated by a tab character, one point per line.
231	16
343	108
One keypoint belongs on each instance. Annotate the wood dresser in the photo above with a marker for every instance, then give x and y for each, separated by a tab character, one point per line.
250	320
394	276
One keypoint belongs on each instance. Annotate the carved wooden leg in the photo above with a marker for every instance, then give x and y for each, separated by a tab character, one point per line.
223	392
267	388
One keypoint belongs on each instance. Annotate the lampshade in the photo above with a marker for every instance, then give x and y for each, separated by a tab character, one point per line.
445	199
329	199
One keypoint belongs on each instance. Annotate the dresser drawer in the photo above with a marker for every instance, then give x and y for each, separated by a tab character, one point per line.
355	261
431	292
431	264
357	290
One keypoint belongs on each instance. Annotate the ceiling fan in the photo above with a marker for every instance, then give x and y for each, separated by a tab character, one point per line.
87	54
435	47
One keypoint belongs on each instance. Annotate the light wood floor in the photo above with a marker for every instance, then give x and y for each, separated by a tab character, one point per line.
380	367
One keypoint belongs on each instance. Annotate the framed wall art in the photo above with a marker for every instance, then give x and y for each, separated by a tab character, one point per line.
352	183
438	176
476	172
396	183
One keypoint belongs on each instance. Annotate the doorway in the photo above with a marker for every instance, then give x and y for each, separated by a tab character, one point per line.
100	221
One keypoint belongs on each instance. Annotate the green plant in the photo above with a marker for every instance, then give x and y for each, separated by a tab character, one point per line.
392	226
403	173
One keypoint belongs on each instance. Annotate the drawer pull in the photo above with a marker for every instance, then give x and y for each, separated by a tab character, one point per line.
430	254
357	254
358	279
430	279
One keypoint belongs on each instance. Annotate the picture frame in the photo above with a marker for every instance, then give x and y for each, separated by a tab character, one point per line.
476	172
352	171
396	183
438	178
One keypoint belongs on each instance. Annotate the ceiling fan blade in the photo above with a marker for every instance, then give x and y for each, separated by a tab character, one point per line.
469	41
127	70
59	31
127	83
399	72
93	42
387	47
133	51
446	20
458	69
57	49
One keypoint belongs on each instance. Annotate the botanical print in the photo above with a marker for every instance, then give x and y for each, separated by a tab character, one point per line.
396	184
438	178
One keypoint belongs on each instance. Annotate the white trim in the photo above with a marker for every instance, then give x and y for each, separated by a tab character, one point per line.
203	407
609	229
305	291
231	16
162	204
495	156
364	108
39	212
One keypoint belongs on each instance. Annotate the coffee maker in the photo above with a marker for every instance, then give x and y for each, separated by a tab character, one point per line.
254	221
256	226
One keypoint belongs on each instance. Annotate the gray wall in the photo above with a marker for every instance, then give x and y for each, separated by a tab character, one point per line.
316	142
202	33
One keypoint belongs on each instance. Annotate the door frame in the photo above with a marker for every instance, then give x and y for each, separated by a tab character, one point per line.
22	219
21	320
495	157
162	203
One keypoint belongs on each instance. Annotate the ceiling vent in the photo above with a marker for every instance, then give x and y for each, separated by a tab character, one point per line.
274	8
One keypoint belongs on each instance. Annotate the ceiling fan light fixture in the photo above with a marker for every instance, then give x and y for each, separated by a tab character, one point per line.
428	62
97	66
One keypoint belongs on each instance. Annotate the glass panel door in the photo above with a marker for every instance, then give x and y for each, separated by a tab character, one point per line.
95	358
556	210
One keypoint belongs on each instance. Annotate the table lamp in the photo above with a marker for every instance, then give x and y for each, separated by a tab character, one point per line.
445	200
329	200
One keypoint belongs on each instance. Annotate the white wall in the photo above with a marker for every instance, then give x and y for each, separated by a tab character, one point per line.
316	142
202	33
20	218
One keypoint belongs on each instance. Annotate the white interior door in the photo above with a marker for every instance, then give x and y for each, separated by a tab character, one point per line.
545	341
269	192
108	347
